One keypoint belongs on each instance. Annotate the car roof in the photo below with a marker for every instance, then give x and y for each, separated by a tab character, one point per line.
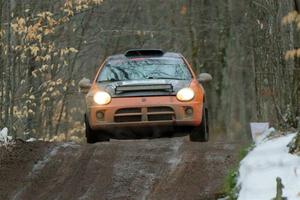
144	53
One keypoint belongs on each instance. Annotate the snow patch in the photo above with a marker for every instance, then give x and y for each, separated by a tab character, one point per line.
214	157
42	163
176	157
87	194
174	162
268	160
70	144
31	140
148	185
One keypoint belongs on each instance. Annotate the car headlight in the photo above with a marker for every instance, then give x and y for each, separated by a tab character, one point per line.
185	94
102	98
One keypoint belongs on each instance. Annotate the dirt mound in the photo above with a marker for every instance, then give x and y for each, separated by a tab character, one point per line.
16	161
165	168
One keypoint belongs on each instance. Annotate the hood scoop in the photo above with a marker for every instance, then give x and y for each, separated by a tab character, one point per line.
139	88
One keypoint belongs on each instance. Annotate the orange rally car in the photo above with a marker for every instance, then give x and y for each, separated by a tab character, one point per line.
148	89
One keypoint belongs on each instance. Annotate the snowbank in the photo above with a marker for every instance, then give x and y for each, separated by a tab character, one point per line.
4	137
259	169
31	140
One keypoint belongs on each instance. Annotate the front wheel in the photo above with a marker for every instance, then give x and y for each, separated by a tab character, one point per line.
93	136
201	132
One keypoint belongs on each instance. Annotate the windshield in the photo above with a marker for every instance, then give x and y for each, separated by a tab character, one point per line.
145	68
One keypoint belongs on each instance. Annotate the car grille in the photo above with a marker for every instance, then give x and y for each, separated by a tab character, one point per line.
161	113
128	115
128	118
129	110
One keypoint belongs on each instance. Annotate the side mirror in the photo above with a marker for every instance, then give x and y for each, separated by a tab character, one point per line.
204	77
85	85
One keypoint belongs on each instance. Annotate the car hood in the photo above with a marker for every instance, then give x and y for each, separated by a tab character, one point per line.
154	87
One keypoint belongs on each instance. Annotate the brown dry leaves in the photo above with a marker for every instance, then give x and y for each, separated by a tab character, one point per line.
290	18
33	41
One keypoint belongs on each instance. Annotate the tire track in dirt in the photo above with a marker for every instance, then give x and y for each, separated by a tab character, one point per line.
200	174
142	164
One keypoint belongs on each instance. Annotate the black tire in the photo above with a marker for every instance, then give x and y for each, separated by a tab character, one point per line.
90	134
201	132
93	136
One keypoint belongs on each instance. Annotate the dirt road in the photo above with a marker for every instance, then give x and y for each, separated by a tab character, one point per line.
165	168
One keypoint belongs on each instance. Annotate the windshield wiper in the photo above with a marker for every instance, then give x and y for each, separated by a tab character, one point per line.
171	78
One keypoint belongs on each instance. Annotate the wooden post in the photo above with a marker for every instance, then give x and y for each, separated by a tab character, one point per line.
279	188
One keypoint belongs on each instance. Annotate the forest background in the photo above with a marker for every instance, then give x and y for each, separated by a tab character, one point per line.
47	46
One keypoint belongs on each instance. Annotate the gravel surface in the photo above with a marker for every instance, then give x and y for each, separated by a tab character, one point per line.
164	168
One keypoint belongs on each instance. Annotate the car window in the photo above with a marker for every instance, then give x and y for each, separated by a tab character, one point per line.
145	68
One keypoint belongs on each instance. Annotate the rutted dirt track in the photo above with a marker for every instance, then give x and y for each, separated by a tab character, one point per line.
165	168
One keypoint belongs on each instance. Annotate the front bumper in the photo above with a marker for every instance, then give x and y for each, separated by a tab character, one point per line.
145	112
